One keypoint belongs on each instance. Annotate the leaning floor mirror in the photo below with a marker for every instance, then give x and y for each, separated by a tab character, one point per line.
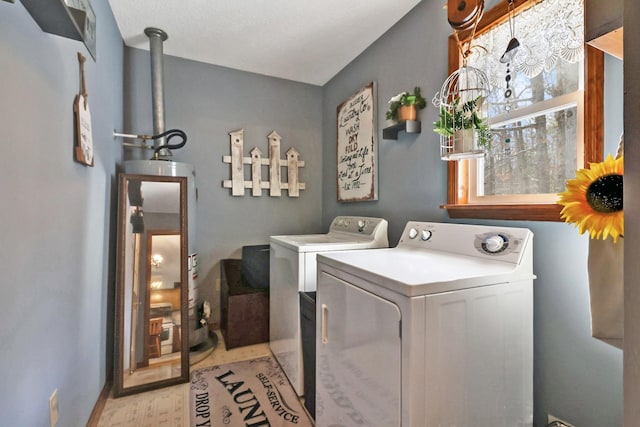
151	323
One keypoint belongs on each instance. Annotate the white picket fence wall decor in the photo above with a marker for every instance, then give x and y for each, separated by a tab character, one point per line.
237	184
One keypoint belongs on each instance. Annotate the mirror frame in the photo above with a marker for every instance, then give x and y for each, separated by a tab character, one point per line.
119	388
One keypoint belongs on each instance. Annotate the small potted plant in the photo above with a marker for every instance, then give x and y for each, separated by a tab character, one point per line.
461	122
404	105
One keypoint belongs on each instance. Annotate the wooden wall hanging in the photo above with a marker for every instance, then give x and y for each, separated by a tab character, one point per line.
83	146
357	166
237	184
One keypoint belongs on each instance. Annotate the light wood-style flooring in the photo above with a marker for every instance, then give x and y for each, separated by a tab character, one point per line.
169	406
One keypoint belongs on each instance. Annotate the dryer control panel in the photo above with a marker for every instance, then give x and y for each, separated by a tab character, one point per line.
503	243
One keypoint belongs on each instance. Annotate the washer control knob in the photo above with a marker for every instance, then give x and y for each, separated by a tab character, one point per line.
413	233
361	224
495	243
426	235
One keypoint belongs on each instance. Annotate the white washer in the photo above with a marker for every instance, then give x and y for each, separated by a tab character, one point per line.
292	269
437	331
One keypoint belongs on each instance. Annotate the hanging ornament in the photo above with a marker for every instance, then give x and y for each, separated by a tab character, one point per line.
509	53
508	92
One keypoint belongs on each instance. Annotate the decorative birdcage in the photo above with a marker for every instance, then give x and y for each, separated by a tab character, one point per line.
463	105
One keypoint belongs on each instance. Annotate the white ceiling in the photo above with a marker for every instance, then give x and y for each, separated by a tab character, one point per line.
308	41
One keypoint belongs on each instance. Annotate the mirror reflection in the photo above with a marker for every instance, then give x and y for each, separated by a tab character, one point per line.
151	288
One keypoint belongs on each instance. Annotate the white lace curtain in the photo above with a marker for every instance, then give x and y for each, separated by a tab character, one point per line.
548	32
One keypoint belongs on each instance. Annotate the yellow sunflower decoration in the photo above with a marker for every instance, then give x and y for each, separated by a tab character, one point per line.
593	200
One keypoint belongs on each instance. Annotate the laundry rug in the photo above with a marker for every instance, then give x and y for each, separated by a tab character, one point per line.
252	393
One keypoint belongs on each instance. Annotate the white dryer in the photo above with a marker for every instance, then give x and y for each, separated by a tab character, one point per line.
292	269
437	331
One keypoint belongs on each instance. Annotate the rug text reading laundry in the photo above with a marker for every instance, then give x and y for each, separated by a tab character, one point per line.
249	393
245	399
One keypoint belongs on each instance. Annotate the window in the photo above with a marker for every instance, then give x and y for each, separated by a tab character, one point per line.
550	126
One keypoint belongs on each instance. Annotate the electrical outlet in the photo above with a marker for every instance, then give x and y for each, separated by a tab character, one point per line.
551	418
217	285
53	408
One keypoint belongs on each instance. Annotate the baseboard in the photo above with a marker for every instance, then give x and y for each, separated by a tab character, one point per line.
99	406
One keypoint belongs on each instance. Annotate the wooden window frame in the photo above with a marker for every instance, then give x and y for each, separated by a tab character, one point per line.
457	190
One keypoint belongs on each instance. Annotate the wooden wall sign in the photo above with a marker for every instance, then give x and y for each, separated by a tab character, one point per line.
357	166
83	152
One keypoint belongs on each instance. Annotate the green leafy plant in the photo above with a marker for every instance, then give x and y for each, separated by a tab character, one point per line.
463	116
405	99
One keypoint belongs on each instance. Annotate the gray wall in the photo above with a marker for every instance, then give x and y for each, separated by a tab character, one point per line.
576	377
208	102
412	178
57	251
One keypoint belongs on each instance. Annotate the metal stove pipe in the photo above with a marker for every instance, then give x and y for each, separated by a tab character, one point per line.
156	38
